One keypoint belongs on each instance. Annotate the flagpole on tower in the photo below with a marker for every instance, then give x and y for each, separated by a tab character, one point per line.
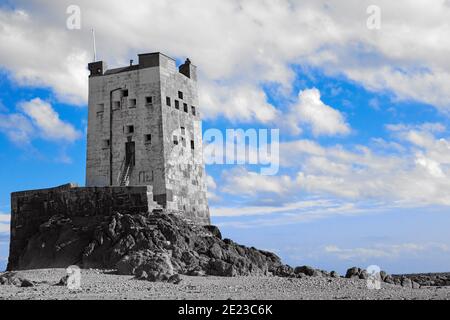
94	45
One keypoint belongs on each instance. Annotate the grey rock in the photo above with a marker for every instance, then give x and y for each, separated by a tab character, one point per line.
389	279
406	282
307	270
214	230
363	275
26	283
334	274
14	279
353	273
175	279
143	276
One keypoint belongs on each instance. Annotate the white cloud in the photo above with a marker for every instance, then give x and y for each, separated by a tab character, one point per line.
211	187
17	128
47	121
5	218
384	250
311	111
246	42
239	181
37	119
62	66
418	174
241	103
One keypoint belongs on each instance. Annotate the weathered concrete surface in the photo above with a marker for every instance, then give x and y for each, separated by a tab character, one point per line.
31	209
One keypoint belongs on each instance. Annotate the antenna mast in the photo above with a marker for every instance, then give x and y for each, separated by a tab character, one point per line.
94	46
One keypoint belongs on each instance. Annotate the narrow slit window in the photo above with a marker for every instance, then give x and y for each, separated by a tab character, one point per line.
185	108
180	95
192	145
175	140
168	101
183	131
106	143
194	112
177	104
148	138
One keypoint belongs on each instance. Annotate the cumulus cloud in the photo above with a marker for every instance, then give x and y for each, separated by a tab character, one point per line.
320	118
47	121
17	128
247	42
37	119
417	175
239	181
211	187
239	103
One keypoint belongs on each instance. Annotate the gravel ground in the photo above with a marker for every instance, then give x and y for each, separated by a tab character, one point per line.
104	285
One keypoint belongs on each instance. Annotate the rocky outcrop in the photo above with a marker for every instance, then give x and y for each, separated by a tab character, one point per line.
14	279
154	246
358	273
312	272
425	280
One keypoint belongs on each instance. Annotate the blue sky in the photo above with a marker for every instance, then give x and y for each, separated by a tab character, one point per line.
363	116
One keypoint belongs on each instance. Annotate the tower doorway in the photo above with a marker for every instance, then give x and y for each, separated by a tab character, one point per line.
130	157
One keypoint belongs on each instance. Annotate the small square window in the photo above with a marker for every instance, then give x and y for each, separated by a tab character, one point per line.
177	104
180	95
130	129
175	140
185	107
116	105
100	107
124	93
194	112
132	103
148	138
105	144
148	100
168	101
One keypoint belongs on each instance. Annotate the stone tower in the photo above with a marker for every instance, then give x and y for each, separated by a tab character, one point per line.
144	129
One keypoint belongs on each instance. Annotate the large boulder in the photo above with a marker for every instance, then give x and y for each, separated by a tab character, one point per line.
307	270
353	272
156	265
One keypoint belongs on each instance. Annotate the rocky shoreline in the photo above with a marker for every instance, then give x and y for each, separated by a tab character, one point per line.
159	247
